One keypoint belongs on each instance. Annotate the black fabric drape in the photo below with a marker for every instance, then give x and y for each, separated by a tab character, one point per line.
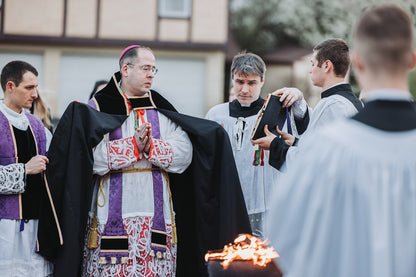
278	151
208	200
69	176
26	149
302	124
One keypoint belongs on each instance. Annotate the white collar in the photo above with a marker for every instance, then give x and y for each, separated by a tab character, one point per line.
387	94
18	120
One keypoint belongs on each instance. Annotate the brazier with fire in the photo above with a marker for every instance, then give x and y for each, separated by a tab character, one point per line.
247	256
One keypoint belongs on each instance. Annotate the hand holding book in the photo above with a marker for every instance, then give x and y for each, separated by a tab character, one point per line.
271	114
288	96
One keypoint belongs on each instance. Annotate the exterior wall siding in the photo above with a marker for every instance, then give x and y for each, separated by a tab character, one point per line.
56	31
28	17
210	21
135	20
175	30
81	18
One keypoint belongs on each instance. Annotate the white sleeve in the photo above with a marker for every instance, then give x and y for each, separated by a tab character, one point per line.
114	155
173	152
13	176
321	116
100	166
48	138
332	110
216	113
299	108
335	108
325	116
12	179
122	153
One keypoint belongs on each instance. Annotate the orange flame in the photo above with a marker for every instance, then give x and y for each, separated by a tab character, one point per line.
245	247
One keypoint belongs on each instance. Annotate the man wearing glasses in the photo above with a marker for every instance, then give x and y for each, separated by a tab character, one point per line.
160	182
139	214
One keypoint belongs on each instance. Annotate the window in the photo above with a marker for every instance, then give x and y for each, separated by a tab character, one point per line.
175	8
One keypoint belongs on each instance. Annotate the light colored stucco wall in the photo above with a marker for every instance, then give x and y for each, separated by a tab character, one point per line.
81	18
118	20
176	30
210	21
121	19
51	77
215	79
214	73
50	73
28	17
128	19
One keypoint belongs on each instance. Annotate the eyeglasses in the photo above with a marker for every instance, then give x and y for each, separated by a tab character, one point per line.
146	68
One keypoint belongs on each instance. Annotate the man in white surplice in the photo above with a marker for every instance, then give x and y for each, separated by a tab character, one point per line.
329	66
23	144
347	206
238	119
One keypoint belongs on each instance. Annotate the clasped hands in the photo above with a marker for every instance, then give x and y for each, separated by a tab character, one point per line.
143	138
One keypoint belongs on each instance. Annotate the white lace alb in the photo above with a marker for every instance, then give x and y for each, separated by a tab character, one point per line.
140	263
12	179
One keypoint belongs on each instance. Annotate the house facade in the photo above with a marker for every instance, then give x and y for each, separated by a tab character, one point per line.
74	43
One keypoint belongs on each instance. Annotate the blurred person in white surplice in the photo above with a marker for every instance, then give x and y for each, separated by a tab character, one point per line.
347	206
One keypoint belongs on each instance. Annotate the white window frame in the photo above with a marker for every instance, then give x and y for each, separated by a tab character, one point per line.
165	12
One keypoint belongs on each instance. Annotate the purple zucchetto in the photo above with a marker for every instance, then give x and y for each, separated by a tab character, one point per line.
127	49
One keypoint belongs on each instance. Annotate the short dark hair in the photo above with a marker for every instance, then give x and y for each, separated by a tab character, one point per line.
14	71
335	50
248	63
383	36
131	55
